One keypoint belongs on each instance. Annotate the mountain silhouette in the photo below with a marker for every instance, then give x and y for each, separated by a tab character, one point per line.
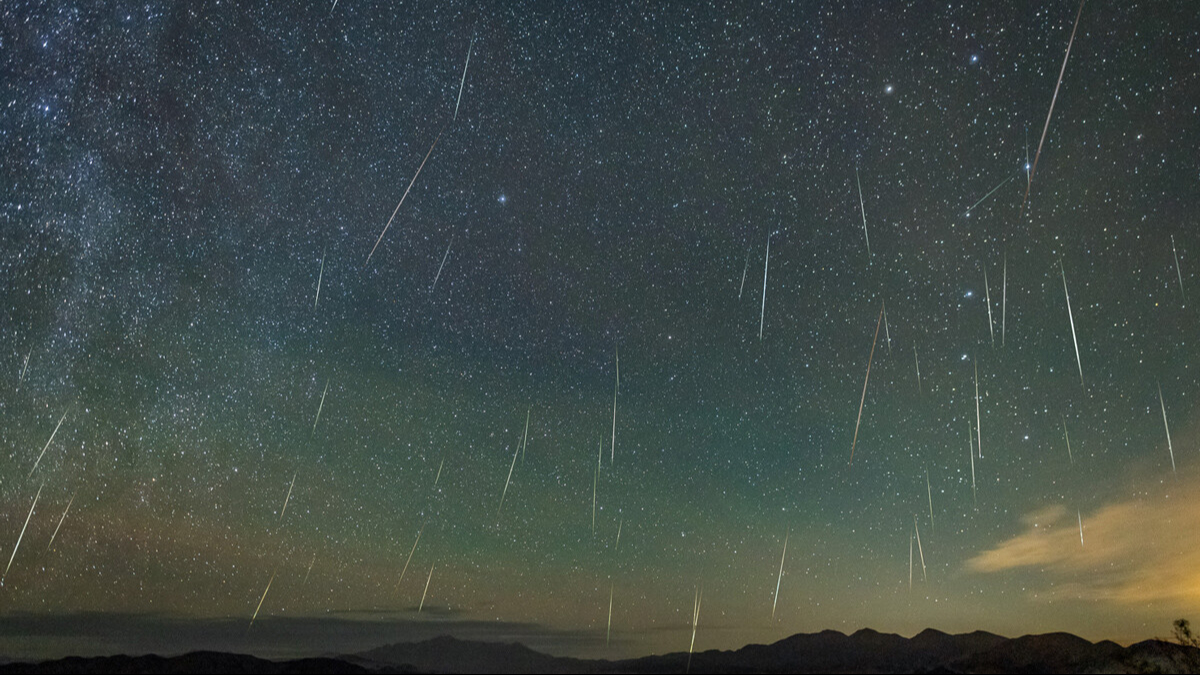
865	651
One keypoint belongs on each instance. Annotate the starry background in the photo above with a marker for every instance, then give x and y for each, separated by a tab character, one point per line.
177	176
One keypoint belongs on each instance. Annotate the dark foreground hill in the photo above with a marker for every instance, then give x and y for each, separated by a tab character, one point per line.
827	652
195	662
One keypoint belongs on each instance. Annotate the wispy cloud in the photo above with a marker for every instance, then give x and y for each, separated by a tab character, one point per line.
1141	550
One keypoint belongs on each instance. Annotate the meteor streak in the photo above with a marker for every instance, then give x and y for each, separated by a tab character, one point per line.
887	332
507	481
929	492
865	380
288	498
45	447
863	208
410	555
60	522
780	578
1071	316
746	268
695	622
988	295
22	535
260	600
1178	274
426	592
918	364
25	367
439	272
762	316
971	455
1053	99
596	482
1068	439
464	79
616	389
1170	449
988	194
608	631
320	275
525	438
310	566
319	406
1080	516
402	198
921	551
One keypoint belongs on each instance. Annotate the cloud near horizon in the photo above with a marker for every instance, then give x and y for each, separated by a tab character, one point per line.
1140	550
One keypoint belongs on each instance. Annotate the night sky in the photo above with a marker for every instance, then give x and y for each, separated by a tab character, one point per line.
179	179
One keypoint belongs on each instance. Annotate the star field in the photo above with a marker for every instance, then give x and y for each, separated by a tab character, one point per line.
178	180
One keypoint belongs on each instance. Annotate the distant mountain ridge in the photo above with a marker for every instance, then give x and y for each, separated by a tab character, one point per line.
865	651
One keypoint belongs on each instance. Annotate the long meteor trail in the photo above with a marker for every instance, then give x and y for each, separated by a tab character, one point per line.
507	481
762	316
987	291
1178	272
427	580
288	497
45	447
989	194
695	622
22	535
1004	301
260	600
978	423
319	407
780	578
887	332
917	362
921	551
410	555
1170	449
310	566
402	198
746	268
524	438
60	522
439	272
616	389
608	631
863	208
1049	113
865	381
1071	316
320	275
971	455
596	483
464	79
1067	437
929	492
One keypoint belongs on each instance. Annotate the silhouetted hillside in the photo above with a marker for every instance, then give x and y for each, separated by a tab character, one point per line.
195	662
866	651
